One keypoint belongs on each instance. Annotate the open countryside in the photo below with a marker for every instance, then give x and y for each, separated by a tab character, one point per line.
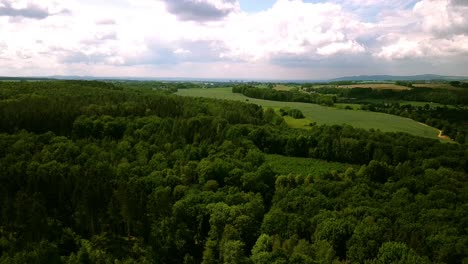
234	132
388	86
323	115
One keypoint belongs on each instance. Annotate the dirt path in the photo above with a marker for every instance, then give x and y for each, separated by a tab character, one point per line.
441	134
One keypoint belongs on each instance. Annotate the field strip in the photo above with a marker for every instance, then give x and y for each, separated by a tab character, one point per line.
328	115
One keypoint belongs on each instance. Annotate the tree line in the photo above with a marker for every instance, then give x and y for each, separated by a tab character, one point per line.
451	120
284	96
442	96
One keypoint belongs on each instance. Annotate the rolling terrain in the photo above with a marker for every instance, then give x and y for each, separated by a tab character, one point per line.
327	115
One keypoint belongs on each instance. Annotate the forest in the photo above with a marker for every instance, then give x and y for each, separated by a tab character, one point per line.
128	172
442	96
451	120
250	90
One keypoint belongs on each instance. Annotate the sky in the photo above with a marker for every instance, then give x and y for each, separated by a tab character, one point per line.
234	39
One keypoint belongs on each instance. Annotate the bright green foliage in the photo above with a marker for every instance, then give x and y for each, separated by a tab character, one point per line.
294	113
395	252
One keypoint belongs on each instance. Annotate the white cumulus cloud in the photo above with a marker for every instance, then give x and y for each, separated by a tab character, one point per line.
292	39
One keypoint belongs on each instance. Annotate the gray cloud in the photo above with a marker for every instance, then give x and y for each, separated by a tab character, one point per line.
201	51
107	36
100	38
443	22
3	48
338	61
74	57
362	64
460	9
199	10
106	22
158	54
70	57
31	11
190	52
459	2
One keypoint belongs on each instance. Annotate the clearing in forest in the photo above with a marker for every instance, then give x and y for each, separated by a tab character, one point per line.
323	115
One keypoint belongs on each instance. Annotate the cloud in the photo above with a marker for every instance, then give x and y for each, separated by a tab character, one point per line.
3	49
107	36
399	4
31	10
372	10
439	30
201	10
459	2
182	51
76	57
108	21
100	39
431	48
96	57
293	29
176	52
402	49
443	17
215	38
350	46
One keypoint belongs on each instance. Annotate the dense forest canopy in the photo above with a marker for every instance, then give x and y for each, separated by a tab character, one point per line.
443	96
285	96
101	172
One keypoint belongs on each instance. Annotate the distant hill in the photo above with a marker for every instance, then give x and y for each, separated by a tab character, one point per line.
6	78
423	77
370	78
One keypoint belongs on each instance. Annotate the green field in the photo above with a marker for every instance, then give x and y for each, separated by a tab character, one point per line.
343	105
413	103
327	115
306	166
297	123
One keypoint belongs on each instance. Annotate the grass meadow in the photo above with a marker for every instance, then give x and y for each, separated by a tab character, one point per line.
323	115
